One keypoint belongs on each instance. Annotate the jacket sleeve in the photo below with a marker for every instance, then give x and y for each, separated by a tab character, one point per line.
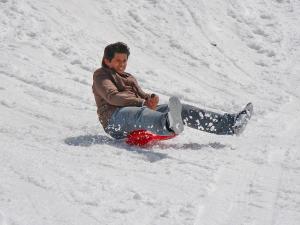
106	89
141	93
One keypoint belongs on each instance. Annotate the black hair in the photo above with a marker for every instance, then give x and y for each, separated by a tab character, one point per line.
110	50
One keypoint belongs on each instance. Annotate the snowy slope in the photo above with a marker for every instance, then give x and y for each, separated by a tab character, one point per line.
57	165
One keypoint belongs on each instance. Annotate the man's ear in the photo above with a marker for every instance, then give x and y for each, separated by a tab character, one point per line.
107	62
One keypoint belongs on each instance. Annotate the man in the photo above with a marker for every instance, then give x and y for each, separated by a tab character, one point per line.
124	107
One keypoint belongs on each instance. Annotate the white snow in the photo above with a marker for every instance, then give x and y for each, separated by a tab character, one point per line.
57	165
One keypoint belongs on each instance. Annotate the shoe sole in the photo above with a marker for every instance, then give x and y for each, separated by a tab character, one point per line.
238	130
249	108
175	109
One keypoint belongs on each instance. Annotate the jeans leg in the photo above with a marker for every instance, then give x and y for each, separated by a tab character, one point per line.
207	121
127	119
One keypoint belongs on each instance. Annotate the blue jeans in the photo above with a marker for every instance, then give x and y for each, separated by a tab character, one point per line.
127	119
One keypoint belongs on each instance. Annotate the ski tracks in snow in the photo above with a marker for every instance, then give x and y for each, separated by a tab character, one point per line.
260	184
57	169
257	189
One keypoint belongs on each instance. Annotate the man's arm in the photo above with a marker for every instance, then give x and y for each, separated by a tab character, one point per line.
151	100
107	90
141	93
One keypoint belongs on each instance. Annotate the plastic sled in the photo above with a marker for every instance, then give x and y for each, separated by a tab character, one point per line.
143	137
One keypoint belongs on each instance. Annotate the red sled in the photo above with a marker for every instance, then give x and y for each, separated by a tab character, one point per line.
143	137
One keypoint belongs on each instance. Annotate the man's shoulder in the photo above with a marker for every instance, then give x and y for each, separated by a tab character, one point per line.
102	73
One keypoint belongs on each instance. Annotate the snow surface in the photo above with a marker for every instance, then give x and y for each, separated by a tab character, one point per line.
57	165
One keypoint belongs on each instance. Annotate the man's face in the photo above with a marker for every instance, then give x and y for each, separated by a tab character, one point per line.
118	62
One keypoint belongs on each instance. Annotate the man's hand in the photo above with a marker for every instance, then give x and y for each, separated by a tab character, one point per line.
152	102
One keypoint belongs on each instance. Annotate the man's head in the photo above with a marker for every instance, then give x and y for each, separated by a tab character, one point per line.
115	56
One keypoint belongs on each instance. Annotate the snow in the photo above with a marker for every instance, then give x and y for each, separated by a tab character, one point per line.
57	165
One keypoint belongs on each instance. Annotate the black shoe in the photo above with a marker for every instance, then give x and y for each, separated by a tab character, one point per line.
242	119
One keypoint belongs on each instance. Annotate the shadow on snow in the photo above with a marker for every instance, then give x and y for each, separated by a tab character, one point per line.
151	156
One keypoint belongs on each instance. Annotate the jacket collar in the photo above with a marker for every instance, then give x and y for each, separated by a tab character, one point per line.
113	72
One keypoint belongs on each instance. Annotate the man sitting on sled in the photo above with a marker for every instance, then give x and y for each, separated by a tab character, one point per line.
123	107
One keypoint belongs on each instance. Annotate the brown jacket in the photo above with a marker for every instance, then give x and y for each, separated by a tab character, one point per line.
113	90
